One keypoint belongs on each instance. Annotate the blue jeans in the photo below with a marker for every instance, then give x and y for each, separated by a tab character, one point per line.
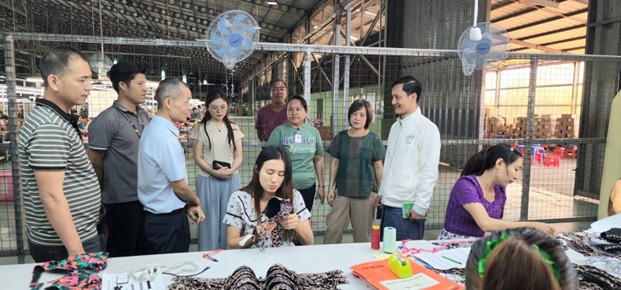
406	229
42	253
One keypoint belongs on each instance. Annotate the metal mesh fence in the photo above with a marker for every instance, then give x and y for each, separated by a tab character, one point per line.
553	108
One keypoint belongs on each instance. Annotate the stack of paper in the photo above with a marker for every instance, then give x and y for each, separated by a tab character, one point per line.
446	259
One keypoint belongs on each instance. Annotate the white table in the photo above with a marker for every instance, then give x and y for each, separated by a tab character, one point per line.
302	259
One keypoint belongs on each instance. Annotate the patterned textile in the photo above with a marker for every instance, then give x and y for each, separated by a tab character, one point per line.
455	274
588	245
592	278
278	277
355	175
82	272
276	210
446	235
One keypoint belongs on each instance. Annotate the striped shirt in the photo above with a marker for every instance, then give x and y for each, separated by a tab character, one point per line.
49	140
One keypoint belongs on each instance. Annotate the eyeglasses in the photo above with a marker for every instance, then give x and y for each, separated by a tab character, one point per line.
216	108
282	89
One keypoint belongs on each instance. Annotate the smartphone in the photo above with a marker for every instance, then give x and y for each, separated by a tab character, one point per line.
219	164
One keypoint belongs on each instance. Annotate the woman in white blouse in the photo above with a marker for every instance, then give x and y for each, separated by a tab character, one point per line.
271	177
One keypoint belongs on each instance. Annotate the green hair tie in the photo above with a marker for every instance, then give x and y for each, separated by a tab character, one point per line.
548	260
490	245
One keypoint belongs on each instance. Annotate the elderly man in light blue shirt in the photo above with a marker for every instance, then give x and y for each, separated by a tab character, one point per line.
162	181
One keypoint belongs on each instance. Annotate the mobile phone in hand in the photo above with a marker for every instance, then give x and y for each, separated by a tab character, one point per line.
220	164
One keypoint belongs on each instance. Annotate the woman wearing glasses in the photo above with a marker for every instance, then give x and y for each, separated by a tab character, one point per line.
217	144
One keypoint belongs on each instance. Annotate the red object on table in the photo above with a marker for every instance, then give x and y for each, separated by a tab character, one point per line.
375	238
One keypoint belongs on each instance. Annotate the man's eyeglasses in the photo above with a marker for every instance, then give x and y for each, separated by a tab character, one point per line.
279	89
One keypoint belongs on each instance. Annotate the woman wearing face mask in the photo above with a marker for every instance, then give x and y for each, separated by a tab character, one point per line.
303	143
477	201
271	177
217	144
355	174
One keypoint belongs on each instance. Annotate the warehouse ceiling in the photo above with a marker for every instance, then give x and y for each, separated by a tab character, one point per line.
557	26
543	25
164	19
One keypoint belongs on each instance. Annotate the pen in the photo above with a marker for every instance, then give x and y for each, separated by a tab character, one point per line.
209	255
452	260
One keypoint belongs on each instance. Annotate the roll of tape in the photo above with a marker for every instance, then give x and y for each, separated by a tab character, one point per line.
390	240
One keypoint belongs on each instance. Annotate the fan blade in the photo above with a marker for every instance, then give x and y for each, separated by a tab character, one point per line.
223	51
215	38
222	26
248	30
235	52
248	44
238	18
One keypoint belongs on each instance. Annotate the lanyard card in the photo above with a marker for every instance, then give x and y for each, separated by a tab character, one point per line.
297	137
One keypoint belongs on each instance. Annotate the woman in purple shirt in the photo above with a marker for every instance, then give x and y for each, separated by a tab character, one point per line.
477	201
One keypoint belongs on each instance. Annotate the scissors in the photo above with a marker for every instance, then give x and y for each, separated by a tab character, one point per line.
209	255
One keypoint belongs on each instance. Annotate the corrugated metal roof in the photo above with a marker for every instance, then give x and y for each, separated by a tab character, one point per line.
533	27
538	28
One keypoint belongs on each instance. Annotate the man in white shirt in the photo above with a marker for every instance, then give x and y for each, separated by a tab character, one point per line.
411	164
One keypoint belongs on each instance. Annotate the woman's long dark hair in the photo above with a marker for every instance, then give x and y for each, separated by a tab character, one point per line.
255	189
486	159
212	96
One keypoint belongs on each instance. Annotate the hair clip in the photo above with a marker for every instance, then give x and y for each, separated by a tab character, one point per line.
490	245
548	260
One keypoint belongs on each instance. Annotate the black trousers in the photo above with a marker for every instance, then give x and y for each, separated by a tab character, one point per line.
42	253
167	233
125	223
309	196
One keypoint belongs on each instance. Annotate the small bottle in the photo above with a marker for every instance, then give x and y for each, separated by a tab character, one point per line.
375	237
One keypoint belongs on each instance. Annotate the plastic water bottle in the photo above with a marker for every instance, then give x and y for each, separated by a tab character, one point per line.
375	237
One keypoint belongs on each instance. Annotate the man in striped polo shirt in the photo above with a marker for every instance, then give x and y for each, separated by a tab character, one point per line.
61	193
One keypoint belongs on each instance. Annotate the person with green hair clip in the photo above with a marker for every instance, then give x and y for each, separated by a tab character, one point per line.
522	258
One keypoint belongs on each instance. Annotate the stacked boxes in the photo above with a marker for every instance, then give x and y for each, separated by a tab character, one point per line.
565	126
544	127
495	126
520	127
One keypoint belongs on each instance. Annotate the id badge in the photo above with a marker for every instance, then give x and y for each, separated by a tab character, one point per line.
297	138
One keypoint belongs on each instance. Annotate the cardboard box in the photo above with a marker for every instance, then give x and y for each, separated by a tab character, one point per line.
497	121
